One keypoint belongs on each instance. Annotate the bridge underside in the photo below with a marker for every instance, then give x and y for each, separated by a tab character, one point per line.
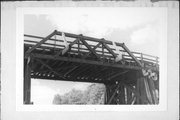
124	81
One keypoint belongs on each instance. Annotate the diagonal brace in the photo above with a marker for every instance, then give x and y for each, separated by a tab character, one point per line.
95	47
109	49
90	49
129	52
118	74
43	63
114	93
70	45
41	42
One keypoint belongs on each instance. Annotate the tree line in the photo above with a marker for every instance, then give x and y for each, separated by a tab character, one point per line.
94	94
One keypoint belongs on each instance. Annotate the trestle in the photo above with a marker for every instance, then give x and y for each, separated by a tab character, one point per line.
143	92
81	58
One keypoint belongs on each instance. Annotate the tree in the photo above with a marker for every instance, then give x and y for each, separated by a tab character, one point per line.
93	95
57	99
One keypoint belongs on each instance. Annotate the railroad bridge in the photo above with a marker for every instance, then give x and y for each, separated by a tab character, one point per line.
129	77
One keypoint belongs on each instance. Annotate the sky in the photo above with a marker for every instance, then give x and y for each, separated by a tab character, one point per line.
141	29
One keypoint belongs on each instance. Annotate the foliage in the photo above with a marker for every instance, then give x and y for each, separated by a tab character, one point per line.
94	94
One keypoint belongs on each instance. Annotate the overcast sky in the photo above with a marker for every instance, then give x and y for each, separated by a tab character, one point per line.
141	29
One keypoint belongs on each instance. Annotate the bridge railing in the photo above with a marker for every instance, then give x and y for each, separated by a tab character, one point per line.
145	58
55	43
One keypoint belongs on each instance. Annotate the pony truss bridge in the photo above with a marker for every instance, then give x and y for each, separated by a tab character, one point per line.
129	77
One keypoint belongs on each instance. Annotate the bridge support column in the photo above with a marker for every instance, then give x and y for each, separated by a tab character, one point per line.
27	82
143	92
146	91
115	94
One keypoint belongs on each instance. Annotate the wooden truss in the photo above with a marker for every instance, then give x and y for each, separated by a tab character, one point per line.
87	59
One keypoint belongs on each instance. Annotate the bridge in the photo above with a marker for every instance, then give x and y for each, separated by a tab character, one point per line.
129	77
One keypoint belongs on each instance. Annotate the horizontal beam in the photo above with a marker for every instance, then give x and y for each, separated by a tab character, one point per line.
90	49
62	79
109	49
117	74
51	69
94	48
84	37
41	42
118	44
129	52
77	60
114	93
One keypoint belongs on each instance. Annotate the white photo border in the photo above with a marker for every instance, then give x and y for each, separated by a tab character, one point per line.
162	106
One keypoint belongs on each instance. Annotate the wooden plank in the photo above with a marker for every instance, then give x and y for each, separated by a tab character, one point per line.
27	41
27	82
105	95
95	47
82	72
79	68
58	78
122	94
152	90
70	45
77	60
42	66
93	71
89	72
41	42
108	93
38	37
84	37
109	49
114	93
73	51
100	72
71	70
149	97
118	74
110	74
129	52
130	101
142	92
90	49
149	55
129	96
50	45
137	91
58	74
97	40
79	71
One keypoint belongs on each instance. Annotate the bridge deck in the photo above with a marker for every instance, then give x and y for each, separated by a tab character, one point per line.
87	59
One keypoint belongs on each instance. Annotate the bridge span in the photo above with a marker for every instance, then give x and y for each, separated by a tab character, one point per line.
130	77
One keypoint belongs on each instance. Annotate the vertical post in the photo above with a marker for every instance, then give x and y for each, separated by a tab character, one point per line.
143	92
129	95
27	81
152	91
141	57
148	94
103	51
156	60
78	48
105	95
123	94
137	90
